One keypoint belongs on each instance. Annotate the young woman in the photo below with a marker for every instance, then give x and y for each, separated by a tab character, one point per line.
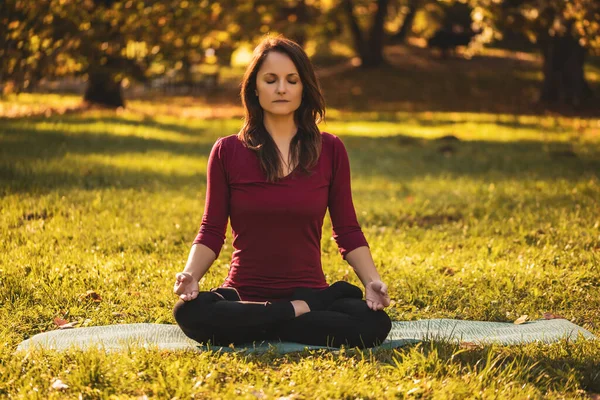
275	180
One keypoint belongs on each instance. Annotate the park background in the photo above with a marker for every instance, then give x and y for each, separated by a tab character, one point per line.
473	132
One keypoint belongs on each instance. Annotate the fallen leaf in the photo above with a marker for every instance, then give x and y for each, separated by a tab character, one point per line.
548	315
258	394
59	385
90	295
68	326
469	345
521	319
60	322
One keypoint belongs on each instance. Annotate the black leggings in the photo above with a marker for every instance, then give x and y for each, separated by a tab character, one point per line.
348	321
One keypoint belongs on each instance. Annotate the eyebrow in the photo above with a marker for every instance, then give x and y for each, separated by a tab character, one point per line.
272	73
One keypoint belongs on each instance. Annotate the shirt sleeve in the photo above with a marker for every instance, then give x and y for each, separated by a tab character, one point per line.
216	209
346	230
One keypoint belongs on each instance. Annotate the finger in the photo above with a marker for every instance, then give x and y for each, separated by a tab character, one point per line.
192	295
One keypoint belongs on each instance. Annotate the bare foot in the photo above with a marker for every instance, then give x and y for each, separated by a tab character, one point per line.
300	307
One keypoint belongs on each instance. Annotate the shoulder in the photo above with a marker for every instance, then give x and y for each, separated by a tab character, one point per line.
331	141
227	145
333	145
230	141
329	138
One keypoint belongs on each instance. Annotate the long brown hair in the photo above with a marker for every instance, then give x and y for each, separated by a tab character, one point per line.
305	147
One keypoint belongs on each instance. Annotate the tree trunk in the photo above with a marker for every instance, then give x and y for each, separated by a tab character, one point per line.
298	33
357	36
371	51
564	79
400	36
376	36
103	90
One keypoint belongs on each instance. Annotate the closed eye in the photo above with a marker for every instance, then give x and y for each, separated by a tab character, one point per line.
293	83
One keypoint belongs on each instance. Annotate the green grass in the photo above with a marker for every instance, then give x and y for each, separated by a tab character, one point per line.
503	222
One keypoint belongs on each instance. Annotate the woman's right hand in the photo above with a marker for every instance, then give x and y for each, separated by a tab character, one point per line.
185	286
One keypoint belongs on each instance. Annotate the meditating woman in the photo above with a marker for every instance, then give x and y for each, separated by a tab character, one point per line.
275	180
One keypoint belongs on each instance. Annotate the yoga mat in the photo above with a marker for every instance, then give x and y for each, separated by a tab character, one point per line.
170	337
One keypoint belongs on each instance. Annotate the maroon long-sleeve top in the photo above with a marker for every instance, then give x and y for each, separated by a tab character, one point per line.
276	227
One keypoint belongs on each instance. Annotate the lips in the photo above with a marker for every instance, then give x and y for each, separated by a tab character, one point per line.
281	101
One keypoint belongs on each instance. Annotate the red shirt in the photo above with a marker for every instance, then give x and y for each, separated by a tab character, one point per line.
276	227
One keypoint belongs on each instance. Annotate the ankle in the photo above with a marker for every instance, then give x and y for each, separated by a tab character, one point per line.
300	307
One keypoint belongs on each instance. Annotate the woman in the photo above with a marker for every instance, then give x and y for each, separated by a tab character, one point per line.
275	180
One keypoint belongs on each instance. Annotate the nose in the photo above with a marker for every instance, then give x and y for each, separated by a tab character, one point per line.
281	87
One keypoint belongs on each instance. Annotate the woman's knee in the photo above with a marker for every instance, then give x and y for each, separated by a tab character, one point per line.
186	313
382	325
376	328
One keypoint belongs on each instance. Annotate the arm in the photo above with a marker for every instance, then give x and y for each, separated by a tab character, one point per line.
199	261
216	208
211	236
346	230
376	293
347	233
362	262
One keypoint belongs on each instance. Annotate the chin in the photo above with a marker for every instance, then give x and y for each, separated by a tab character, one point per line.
281	111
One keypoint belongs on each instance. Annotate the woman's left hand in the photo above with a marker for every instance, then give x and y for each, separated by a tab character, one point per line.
376	295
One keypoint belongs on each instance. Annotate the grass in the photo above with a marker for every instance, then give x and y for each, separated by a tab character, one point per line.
502	222
475	207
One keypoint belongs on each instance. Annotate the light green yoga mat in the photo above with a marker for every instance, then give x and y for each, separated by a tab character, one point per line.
170	337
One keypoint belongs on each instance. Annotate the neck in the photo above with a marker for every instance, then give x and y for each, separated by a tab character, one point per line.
282	128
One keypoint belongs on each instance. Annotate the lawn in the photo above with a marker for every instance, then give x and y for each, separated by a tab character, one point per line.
477	216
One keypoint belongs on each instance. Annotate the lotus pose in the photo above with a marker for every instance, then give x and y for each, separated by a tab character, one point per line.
274	181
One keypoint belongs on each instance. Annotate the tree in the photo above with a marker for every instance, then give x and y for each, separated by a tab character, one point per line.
565	32
412	7
106	41
369	45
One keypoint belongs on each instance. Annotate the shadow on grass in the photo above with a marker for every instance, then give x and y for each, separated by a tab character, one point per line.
538	367
422	119
19	181
400	158
404	158
26	155
183	129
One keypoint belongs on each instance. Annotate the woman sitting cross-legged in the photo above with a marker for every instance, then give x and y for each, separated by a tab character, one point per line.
274	181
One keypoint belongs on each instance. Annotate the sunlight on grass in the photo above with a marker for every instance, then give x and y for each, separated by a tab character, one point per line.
498	219
157	162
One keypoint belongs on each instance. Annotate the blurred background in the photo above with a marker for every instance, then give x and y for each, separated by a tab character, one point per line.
500	56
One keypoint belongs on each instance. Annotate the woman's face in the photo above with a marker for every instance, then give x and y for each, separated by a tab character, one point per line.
278	85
